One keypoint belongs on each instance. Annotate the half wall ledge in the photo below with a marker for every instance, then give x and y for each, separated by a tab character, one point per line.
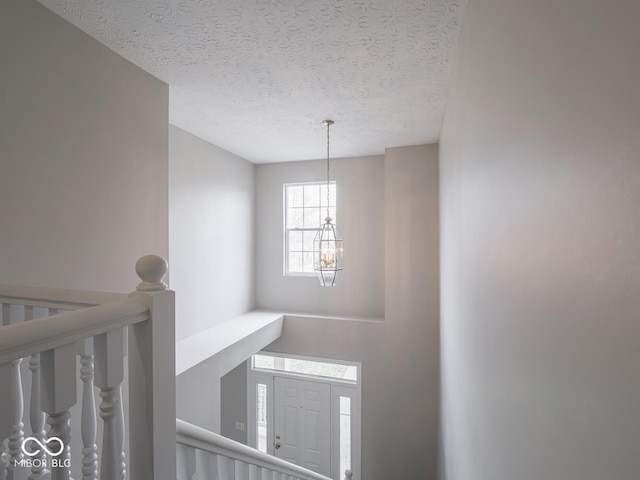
229	343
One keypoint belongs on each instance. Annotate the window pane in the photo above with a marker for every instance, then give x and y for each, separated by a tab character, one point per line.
312	195
295	261
263	361
261	417
306	367
295	196
345	434
307	262
295	241
308	238
312	217
295	217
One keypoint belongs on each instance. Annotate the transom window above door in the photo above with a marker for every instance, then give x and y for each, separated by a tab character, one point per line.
305	208
344	372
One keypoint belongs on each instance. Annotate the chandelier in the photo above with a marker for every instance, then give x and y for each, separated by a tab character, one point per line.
327	246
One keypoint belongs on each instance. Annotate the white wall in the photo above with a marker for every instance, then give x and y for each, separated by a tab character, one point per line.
211	242
360	221
400	353
211	233
540	181
83	157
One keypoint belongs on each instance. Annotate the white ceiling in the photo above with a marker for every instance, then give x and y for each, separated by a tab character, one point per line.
257	77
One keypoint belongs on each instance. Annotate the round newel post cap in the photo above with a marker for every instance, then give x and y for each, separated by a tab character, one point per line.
348	474
151	269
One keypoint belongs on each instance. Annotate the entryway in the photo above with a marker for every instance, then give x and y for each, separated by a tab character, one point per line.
306	411
301	423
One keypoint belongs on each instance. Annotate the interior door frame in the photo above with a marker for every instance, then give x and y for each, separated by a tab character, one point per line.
338	388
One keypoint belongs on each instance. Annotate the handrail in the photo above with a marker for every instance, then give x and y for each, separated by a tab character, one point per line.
26	338
60	298
196	437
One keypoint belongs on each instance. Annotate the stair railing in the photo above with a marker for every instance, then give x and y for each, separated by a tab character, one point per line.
204	455
71	327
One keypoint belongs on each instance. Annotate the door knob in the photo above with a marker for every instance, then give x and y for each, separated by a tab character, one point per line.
277	445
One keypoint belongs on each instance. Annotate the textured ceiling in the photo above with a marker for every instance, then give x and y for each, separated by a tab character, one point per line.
257	77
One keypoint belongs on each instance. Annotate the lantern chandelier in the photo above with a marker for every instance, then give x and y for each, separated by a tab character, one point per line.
327	246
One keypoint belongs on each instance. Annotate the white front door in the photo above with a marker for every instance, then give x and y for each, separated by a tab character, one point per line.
302	423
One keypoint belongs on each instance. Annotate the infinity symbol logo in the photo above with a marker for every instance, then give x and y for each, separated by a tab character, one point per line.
44	447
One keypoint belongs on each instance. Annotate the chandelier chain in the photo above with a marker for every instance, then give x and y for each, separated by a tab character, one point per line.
328	125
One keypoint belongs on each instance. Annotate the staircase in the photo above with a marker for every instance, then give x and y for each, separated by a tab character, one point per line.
60	350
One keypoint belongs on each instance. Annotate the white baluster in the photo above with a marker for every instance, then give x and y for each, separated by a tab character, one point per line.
348	474
109	373
253	472
36	415
203	465
88	420
16	411
265	474
223	467
181	463
17	433
213	461
58	395
240	470
185	462
122	472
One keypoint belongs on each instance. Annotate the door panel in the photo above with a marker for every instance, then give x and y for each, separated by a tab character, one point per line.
302	423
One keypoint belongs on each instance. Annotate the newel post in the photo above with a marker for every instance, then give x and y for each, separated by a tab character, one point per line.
152	397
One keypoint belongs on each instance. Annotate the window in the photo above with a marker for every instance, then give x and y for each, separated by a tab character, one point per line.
345	433
312	368
305	207
261	417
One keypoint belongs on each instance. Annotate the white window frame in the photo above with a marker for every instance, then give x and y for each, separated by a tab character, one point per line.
287	228
339	388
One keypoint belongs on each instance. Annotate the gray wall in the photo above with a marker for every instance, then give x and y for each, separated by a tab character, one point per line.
83	157
83	163
211	233
211	238
540	181
234	406
360	214
399	354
